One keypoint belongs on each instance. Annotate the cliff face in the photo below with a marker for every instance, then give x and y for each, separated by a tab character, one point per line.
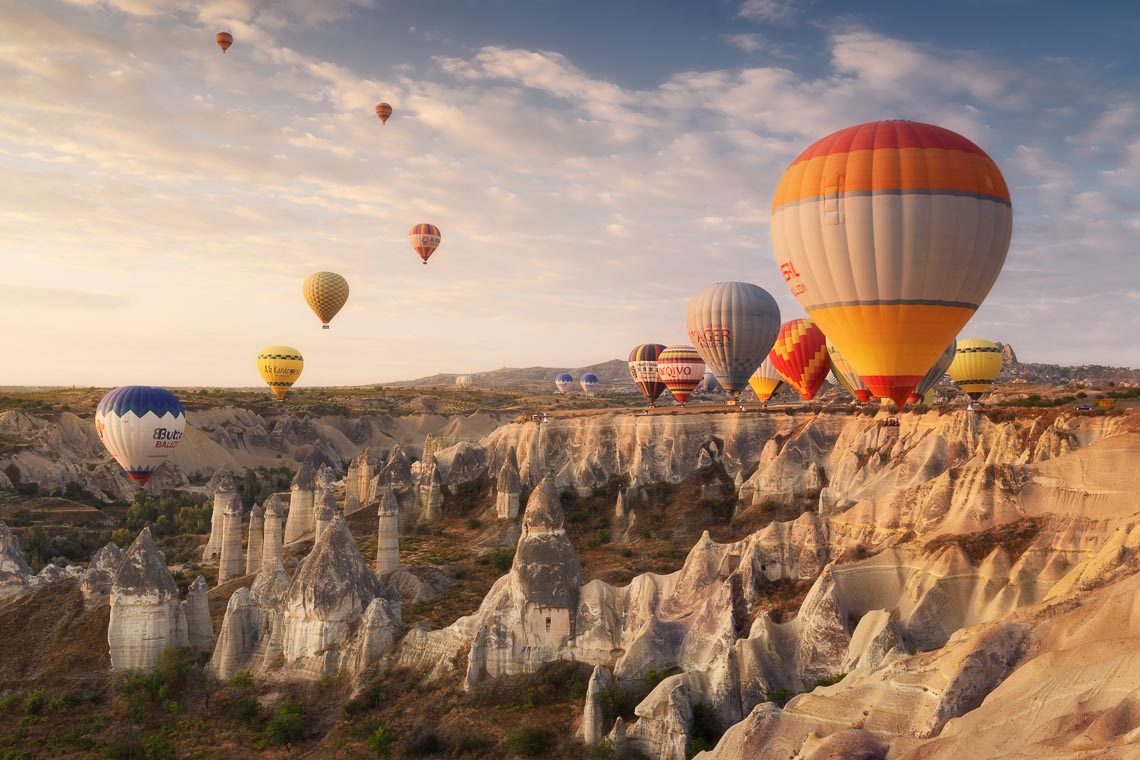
146	615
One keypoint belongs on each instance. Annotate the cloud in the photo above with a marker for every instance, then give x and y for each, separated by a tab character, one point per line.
749	43
29	298
769	11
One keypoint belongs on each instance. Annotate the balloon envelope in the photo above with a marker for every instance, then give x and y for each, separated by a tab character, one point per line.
800	356
765	381
563	382
464	382
976	365
224	40
709	383
846	375
589	383
681	369
140	426
643	370
935	373
326	293
280	367
732	325
891	234
383	110
425	238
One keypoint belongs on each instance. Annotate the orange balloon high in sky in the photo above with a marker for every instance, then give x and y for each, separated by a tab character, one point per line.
425	238
383	110
224	40
891	234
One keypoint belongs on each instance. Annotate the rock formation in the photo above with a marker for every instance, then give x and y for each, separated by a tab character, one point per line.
100	573
388	532
324	512
430	492
358	481
253	547
302	495
14	569
273	534
231	565
146	616
196	607
507	491
223	490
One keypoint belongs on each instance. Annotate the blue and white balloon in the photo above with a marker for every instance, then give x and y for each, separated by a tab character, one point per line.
140	426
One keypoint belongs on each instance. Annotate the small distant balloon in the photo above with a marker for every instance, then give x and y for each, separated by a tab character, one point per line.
643	370
280	367
425	238
383	110
709	383
563	382
976	365
224	40
326	293
465	382
765	381
589	383
140	426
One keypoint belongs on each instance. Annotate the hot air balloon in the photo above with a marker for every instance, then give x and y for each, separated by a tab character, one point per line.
800	356
765	381
280	367
643	370
709	383
425	238
224	40
589	383
140	426
326	293
934	374
681	369
383	110
563	382
976	365
732	325
465	382
846	375
891	234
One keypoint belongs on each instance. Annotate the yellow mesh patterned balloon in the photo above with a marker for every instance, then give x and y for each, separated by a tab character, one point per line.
326	293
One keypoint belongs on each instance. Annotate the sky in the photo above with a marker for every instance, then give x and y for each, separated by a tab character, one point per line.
591	164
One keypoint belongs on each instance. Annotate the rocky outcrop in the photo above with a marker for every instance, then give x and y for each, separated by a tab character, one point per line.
146	616
196	607
507	490
255	537
430	491
14	569
272	534
358	481
253	627
388	532
223	488
324	512
230	565
301	501
100	573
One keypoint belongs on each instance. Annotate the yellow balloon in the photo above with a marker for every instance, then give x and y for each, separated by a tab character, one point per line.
326	293
765	380
280	366
977	363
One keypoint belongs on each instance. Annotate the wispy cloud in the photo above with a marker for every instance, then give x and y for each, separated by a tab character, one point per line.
770	11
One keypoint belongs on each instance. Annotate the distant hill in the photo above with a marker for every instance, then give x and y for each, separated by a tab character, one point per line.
611	374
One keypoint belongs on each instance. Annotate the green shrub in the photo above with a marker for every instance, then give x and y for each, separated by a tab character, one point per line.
287	726
769	506
368	699
246	710
243	679
474	523
779	696
530	741
832	680
381	741
600	537
502	561
34	702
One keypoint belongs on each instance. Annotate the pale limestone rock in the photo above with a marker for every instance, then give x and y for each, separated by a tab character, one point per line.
302	495
507	492
230	565
593	716
272	534
252	629
324	512
388	532
256	535
430	492
196	607
146	616
420	583
14	569
100	573
358	481
223	490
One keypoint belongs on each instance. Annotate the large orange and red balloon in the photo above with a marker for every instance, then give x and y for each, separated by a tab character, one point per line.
800	356
891	234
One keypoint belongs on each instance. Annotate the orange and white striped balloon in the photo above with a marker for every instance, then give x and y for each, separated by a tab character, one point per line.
425	238
891	234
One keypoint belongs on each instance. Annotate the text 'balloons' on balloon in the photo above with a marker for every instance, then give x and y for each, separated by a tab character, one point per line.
589	383
976	365
800	356
733	325
643	370
224	40
384	111
765	381
846	375
681	369
890	234
425	238
935	373
280	367
140	426
563	382
326	293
